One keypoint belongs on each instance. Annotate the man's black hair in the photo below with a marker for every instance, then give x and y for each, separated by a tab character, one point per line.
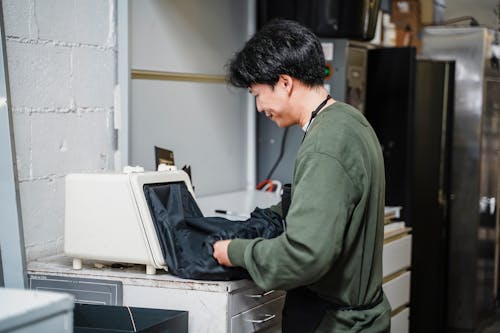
280	47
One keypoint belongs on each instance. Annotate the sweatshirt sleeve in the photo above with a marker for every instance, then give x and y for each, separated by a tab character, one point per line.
323	200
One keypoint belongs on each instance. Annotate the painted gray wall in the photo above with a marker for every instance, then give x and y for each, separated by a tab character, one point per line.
13	261
203	123
2	283
61	61
481	10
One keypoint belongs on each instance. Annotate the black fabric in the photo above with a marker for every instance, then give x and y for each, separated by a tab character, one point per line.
304	310
286	199
315	113
186	237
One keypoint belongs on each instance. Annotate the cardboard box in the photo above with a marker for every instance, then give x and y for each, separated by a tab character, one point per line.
406	17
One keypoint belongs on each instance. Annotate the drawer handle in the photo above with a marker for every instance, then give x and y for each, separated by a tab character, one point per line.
261	295
267	317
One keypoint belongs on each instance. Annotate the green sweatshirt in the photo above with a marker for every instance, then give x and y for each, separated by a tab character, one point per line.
334	236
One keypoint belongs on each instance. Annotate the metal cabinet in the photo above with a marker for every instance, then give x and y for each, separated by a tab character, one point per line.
213	306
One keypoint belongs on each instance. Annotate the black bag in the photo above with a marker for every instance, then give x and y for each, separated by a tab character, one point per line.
186	237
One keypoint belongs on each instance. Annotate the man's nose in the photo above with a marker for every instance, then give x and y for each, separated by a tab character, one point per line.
258	106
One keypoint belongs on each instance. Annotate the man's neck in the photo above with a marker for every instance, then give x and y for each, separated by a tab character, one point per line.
308	100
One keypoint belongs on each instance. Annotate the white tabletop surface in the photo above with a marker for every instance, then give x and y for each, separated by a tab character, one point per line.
241	203
61	265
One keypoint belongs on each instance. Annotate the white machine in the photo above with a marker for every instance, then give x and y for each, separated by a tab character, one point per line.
107	217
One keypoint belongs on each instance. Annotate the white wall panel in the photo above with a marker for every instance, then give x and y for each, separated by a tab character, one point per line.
203	123
61	58
186	35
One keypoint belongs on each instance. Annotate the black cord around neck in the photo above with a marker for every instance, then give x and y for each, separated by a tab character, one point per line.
315	113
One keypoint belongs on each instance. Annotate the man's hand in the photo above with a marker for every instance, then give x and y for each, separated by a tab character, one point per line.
220	252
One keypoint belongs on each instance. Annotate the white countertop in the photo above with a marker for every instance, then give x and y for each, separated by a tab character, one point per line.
132	275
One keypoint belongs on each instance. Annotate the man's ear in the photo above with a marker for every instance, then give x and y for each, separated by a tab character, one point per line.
287	82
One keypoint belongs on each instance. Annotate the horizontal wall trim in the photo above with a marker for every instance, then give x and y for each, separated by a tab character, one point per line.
397	236
395	275
403	307
175	76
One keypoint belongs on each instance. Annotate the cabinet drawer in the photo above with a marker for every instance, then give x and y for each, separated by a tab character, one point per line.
396	255
400	322
250	298
263	316
398	290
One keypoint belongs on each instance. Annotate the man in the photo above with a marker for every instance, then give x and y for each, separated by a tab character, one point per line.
329	259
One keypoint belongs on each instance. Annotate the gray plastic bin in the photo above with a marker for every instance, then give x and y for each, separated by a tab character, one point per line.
34	311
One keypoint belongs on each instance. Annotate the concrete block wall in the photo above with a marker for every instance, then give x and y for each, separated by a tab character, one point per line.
61	58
